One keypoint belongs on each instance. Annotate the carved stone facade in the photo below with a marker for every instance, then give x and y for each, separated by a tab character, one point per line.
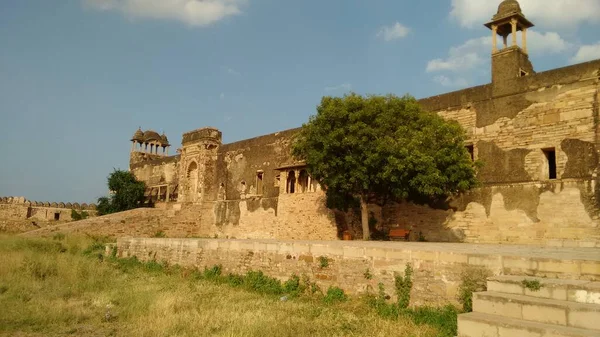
536	133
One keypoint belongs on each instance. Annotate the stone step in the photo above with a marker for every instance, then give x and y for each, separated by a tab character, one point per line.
566	290
476	324
542	310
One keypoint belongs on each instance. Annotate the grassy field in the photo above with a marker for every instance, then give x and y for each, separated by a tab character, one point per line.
64	287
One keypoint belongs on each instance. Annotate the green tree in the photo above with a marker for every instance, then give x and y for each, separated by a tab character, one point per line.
380	148
126	193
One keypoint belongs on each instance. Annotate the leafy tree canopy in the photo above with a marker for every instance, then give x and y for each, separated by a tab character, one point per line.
377	148
126	193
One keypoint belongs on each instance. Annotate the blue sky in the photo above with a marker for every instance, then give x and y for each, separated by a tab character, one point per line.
77	77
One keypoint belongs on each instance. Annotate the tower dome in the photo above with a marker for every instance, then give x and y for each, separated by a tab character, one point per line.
508	8
151	135
138	136
165	140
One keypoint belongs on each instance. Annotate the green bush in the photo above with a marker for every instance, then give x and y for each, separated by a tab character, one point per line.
335	294
323	262
403	287
259	282
533	285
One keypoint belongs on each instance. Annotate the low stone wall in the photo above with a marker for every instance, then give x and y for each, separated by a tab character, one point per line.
437	267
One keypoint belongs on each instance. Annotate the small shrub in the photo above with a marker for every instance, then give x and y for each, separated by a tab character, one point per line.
95	247
259	282
323	262
473	280
404	286
128	265
335	294
293	286
159	234
154	267
421	237
312	288
533	285
234	280
213	273
367	274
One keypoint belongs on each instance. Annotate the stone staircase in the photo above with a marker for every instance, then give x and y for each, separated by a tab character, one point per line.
560	308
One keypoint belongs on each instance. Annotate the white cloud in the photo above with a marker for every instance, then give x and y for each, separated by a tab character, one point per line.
393	32
544	43
554	13
344	86
448	82
587	53
191	12
476	52
467	56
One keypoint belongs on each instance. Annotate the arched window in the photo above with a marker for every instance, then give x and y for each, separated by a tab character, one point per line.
303	181
291	182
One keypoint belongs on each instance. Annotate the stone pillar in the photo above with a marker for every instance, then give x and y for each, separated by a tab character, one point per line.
524	31
168	194
494	38
133	146
513	23
309	185
297	181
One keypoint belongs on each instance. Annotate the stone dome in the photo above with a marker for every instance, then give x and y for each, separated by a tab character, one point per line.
507	8
164	139
138	136
152	136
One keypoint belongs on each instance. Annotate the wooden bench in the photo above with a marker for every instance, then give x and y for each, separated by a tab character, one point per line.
396	234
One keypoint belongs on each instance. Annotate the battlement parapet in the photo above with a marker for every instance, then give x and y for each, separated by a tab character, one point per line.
23	201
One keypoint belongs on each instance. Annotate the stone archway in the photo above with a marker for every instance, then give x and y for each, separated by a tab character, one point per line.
192	179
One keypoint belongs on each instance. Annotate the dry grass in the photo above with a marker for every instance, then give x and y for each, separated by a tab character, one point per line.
51	288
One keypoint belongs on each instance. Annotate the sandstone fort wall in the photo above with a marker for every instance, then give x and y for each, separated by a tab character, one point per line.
536	135
438	267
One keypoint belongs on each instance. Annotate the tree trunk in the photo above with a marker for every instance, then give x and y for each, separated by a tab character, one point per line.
364	216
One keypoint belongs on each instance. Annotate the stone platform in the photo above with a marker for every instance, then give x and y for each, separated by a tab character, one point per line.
438	267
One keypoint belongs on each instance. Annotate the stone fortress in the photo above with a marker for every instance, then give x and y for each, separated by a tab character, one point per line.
19	214
536	133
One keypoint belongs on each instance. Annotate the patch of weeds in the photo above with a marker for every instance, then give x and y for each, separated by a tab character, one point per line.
58	236
421	237
128	265
44	246
3	289
159	234
473	279
259	282
154	267
334	294
323	262
312	288
294	286
40	270
533	285
213	273
367	274
94	248
404	286
444	318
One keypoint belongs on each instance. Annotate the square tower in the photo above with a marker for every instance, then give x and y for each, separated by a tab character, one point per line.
512	61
